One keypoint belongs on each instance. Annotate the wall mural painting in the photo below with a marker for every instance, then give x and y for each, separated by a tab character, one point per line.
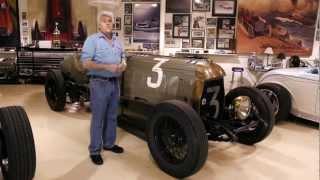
146	23
287	26
9	34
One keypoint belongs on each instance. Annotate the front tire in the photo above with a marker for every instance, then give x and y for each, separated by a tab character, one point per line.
257	111
280	99
55	90
177	139
18	157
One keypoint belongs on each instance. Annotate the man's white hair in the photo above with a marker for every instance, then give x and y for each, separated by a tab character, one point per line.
104	13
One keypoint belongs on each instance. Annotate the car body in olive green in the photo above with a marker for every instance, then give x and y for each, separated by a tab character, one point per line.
179	102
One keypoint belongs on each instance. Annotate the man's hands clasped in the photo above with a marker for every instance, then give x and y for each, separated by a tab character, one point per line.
116	68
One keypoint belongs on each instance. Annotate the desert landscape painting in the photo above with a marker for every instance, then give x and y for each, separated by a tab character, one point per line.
287	26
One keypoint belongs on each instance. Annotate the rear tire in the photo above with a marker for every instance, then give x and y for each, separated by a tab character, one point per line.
17	142
55	90
261	109
283	98
176	124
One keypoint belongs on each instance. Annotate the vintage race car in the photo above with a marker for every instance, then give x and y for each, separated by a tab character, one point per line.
17	149
180	103
293	90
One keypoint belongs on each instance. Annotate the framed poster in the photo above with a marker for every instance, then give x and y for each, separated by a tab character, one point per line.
181	25
201	5
146	22
127	8
224	7
197	42
127	20
178	6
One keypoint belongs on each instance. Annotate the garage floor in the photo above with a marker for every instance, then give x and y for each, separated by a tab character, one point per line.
291	152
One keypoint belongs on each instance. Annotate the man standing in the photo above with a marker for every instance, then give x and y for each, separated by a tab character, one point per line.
101	56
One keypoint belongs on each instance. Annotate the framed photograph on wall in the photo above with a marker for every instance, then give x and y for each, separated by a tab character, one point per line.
172	43
178	6
127	20
197	42
226	33
117	23
228	44
186	43
198	20
181	25
127	30
224	7
127	8
168	33
211	32
198	33
210	43
146	23
212	22
201	5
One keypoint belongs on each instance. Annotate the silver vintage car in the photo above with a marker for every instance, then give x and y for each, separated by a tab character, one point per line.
179	102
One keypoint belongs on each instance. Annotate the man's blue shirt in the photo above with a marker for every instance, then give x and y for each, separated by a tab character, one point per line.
100	51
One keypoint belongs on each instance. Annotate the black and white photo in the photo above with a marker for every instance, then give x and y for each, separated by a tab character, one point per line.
146	22
211	32
210	43
201	5
198	43
212	22
127	20
186	43
127	8
127	30
224	7
198	20
198	33
181	25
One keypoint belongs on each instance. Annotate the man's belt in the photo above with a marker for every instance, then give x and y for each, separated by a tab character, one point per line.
103	78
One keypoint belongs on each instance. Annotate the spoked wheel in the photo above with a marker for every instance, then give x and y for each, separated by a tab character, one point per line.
55	90
250	114
177	139
280	99
18	157
172	139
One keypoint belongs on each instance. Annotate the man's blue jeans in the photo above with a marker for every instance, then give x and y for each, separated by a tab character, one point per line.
104	101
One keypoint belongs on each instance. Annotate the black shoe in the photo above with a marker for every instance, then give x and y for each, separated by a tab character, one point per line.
116	149
96	159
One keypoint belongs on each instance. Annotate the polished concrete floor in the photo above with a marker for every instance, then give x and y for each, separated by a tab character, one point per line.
291	152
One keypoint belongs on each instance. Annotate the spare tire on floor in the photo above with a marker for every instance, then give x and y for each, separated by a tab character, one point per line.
177	139
18	156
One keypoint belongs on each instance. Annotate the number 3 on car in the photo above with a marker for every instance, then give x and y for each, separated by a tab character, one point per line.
159	72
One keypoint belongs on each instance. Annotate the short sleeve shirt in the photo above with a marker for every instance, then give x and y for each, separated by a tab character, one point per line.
99	50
